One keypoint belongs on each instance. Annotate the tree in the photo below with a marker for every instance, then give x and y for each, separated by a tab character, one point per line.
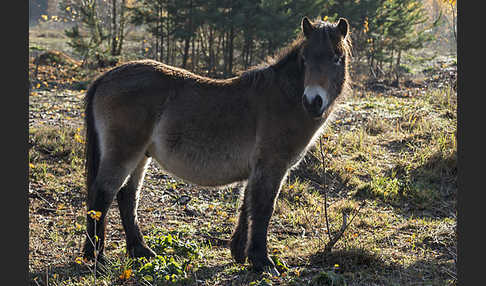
398	27
98	31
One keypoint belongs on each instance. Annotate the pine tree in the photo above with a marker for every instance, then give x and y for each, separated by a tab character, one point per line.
98	32
399	28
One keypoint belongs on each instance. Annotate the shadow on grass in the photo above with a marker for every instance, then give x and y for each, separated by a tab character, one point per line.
231	274
361	267
70	271
310	170
427	191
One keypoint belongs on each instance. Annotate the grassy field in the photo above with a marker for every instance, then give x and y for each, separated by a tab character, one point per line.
389	163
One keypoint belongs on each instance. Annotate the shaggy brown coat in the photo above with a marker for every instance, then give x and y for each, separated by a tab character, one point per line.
252	128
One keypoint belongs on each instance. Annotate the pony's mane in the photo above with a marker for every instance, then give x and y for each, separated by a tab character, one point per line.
261	75
264	73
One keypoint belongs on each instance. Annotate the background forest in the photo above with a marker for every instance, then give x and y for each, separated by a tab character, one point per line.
219	38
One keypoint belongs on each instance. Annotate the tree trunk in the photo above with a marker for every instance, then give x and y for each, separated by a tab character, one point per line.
113	29
161	34
397	68
225	52
121	28
219	48
211	50
187	40
231	50
186	52
167	39
193	54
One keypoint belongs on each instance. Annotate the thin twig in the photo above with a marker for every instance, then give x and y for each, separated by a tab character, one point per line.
333	239
325	188
344	226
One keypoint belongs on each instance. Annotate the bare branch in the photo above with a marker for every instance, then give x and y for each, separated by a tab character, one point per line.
333	239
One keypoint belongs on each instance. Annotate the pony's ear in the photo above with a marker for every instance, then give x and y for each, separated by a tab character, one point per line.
307	27
343	26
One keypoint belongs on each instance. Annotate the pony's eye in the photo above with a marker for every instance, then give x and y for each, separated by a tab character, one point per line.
336	59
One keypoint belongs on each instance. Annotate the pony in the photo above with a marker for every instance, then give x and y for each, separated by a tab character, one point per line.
252	128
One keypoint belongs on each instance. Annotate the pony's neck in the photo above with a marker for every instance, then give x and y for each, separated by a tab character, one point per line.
289	70
286	71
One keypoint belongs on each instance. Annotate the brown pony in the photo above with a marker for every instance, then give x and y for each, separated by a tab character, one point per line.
251	128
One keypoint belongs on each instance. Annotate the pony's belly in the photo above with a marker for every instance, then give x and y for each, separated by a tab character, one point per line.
201	166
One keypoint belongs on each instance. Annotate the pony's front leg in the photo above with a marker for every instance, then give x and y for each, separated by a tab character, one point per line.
239	237
263	188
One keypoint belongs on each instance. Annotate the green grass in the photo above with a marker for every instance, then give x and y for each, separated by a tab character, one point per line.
389	160
403	168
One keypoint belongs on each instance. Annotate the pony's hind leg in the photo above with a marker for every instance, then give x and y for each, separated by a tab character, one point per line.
109	179
127	199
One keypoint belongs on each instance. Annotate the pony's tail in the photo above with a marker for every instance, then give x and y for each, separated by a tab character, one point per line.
92	152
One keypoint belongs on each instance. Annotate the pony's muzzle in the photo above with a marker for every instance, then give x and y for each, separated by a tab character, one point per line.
315	100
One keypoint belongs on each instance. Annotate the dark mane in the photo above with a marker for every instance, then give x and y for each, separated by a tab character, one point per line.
264	73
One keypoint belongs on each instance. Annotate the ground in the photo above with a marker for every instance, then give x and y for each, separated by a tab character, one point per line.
386	161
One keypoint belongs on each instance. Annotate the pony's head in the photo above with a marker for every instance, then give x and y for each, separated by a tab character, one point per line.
325	54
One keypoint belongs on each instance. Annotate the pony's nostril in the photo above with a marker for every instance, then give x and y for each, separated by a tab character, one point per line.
317	102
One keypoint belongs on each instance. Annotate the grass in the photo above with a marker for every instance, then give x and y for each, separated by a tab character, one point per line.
393	153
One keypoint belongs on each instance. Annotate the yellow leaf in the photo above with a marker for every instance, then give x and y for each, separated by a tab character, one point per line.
94	214
45	17
126	274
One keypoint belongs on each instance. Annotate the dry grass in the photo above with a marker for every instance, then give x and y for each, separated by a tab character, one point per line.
393	151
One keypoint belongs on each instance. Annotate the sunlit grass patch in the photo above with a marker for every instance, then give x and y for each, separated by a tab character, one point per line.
57	142
404	151
56	157
397	154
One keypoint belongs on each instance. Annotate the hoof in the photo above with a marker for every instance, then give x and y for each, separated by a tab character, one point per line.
237	247
100	258
141	251
237	252
89	252
264	265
